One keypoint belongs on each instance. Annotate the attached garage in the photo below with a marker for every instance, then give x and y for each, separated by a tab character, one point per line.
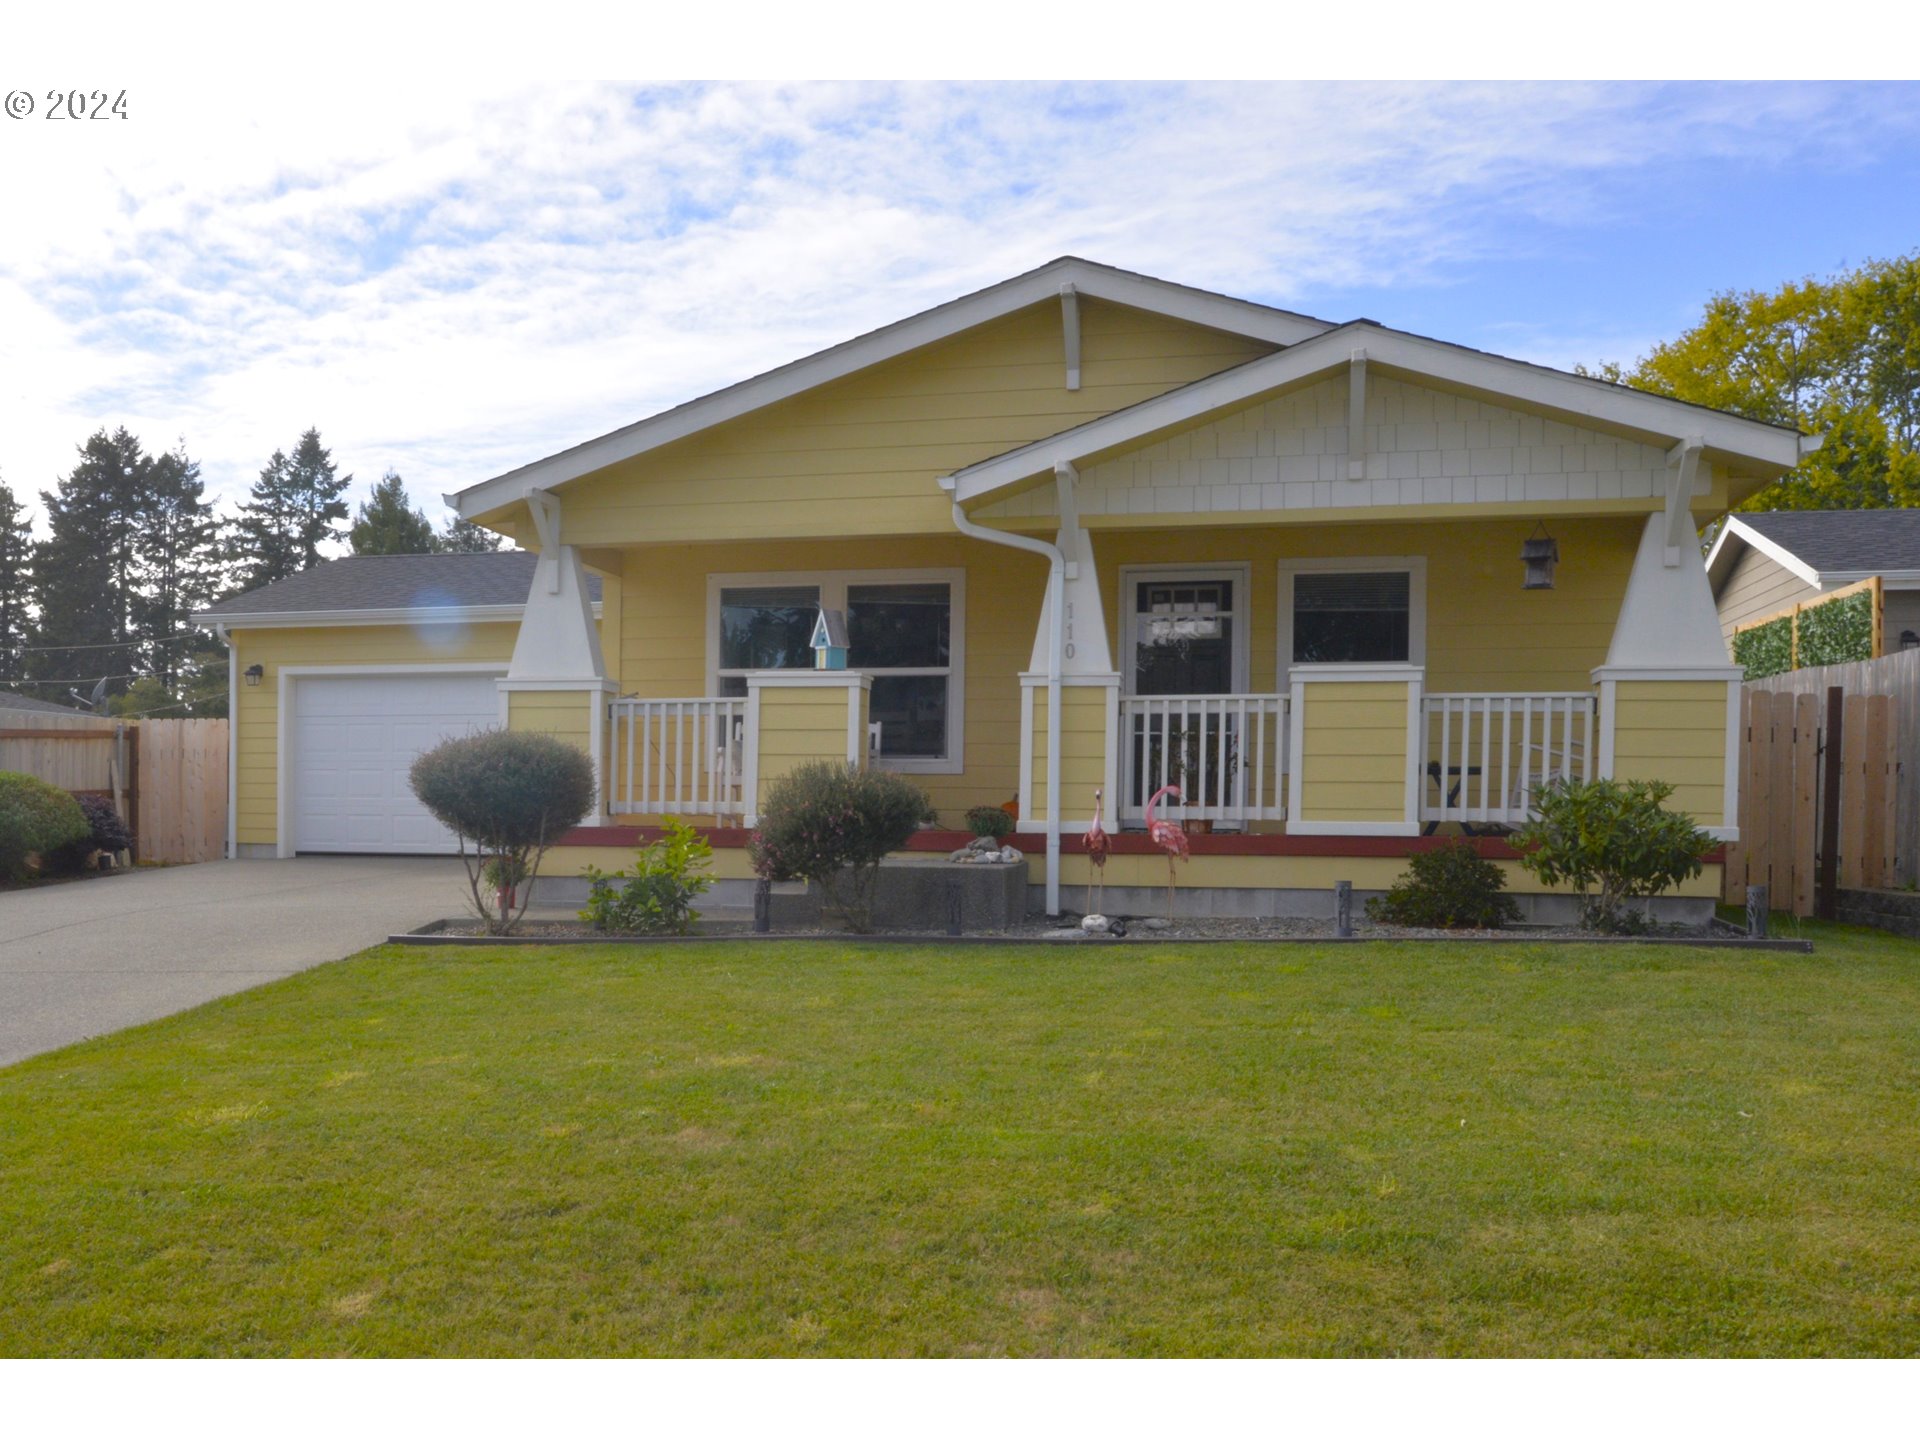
344	673
354	737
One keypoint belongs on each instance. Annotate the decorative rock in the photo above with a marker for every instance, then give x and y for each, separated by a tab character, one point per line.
1095	924
1157	923
961	856
1009	855
984	843
1063	935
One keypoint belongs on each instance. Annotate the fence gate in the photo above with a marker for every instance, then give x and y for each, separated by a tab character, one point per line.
1785	804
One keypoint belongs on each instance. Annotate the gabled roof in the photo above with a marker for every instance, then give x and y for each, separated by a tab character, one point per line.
1101	282
14	700
1823	547
391	589
1577	397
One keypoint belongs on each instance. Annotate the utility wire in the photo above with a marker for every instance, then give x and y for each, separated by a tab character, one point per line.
207	640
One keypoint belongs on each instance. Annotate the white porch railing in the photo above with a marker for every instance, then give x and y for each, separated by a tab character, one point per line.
679	757
1227	753
1485	754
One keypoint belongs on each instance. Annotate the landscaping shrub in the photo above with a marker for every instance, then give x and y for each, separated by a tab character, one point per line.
105	831
1613	841
35	819
508	795
1448	888
658	894
831	824
990	821
1836	631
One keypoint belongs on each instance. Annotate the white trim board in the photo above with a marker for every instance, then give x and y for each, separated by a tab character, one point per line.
1088	279
311	619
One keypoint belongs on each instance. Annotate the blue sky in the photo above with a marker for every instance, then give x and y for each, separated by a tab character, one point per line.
453	282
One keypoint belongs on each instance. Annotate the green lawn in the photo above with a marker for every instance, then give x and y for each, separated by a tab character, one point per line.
841	1150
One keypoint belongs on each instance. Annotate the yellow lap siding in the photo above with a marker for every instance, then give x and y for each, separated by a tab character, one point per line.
565	714
801	725
1353	751
1676	731
880	438
1083	742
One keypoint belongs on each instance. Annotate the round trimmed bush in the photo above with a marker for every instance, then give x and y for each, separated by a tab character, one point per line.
831	824
508	795
35	819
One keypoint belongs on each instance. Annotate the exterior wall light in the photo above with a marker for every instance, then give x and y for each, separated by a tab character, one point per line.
1909	640
253	673
1539	553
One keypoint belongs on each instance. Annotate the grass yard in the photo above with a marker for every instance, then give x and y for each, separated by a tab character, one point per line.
820	1150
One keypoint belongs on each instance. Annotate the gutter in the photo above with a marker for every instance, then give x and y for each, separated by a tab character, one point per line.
233	742
1056	610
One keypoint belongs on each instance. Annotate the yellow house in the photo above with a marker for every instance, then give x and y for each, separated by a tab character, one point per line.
1084	527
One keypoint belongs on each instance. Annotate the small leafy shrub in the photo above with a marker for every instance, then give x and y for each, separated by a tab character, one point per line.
1836	631
105	831
1448	888
508	795
1765	649
830	824
990	821
657	895
35	819
1613	841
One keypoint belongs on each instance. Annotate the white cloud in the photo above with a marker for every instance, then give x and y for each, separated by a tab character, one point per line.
461	277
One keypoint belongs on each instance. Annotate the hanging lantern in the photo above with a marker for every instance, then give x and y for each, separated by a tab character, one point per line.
1539	553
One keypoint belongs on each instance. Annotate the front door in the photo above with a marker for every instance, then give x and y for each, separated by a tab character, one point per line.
1185	646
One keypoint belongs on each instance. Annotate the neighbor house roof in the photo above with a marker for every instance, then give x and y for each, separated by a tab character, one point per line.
390	589
1823	547
1083	277
14	700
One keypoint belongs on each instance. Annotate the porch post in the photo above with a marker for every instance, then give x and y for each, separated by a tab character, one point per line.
1354	750
557	682
1669	695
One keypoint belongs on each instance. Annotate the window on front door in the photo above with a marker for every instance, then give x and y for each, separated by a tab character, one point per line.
1184	635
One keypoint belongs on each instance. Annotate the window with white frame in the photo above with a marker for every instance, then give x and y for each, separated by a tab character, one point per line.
1353	611
903	628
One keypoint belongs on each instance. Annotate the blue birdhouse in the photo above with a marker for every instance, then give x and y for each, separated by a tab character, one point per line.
829	641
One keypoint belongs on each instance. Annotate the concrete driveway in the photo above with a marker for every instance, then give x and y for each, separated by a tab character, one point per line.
85	958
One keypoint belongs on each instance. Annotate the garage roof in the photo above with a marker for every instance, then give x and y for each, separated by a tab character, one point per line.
396	587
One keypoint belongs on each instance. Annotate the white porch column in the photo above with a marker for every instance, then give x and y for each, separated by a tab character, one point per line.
1667	666
558	680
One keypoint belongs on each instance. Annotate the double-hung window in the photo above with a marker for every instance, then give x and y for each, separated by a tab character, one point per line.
904	628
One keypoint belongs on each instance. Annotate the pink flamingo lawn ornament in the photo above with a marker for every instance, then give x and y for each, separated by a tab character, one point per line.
1169	837
1099	846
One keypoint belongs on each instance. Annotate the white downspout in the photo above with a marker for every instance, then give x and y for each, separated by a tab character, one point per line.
233	743
1057	617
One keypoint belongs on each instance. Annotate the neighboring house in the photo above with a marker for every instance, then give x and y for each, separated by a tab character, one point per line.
14	700
1766	562
1159	533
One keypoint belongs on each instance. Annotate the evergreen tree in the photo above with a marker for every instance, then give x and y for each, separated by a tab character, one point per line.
387	524
292	509
16	586
176	570
83	571
463	537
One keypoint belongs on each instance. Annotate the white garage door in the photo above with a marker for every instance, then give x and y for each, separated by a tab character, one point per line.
355	737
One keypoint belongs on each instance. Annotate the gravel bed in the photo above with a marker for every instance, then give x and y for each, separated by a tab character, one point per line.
1039	928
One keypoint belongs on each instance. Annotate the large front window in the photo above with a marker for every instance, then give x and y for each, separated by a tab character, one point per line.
902	628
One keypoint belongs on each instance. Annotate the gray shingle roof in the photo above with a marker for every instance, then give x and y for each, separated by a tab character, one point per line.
1872	541
396	582
14	700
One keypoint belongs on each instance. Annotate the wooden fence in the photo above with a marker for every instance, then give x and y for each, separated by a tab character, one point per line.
1814	815
168	778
